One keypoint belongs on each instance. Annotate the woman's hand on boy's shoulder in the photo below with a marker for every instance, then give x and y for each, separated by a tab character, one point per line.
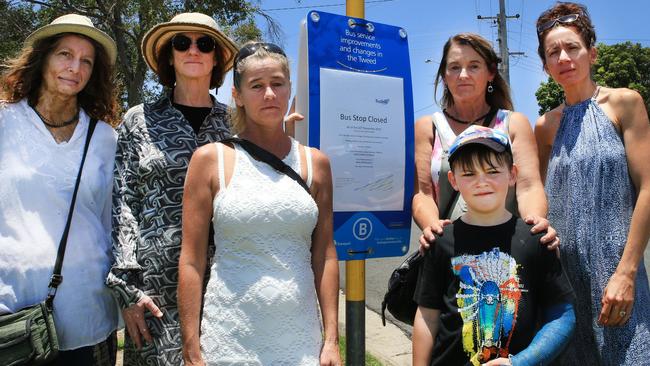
429	233
541	224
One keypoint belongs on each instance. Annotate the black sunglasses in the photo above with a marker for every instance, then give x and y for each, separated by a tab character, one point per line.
250	49
565	19
182	43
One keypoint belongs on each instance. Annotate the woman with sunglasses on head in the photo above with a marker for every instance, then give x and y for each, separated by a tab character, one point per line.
53	94
190	55
595	156
474	93
275	261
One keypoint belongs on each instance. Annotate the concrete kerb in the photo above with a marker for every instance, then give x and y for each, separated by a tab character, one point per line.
388	344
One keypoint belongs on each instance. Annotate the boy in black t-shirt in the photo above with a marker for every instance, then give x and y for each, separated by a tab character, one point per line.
487	282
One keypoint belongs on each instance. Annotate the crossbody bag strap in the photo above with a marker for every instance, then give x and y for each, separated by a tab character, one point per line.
447	212
270	159
442	130
57	278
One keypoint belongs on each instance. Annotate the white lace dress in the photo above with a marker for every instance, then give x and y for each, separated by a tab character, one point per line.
260	305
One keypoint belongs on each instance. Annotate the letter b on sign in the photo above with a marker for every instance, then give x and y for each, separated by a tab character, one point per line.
362	228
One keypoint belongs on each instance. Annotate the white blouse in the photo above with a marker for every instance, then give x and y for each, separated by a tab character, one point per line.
37	178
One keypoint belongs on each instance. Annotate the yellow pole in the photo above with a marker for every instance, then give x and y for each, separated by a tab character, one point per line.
355	8
355	271
355	280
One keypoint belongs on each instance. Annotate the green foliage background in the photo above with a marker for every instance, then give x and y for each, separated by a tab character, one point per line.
622	65
127	21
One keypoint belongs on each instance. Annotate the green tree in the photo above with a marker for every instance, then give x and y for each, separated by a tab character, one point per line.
621	65
17	23
127	21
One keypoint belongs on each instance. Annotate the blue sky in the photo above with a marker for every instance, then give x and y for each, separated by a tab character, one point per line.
430	23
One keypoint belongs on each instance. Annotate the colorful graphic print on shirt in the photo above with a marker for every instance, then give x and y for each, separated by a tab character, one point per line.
488	301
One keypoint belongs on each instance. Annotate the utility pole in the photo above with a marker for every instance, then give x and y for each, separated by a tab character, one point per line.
500	19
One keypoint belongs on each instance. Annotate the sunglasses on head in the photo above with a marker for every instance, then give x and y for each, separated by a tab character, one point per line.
182	43
250	49
565	19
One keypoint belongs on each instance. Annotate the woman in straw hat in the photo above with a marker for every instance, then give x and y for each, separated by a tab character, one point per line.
58	86
190	55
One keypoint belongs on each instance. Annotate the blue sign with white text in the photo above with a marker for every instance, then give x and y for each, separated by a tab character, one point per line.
360	113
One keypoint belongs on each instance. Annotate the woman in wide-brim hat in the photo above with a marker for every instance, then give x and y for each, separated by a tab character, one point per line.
51	93
190	55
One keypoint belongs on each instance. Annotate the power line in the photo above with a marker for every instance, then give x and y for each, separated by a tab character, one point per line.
521	24
323	5
476	7
500	20
423	108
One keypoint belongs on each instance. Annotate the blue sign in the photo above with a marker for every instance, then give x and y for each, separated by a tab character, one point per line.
360	113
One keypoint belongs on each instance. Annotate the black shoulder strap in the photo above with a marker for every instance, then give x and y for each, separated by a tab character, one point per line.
267	157
490	115
447	212
57	278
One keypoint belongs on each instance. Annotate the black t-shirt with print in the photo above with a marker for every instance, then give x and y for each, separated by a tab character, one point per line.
490	284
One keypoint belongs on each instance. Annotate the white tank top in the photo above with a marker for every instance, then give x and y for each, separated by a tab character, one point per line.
260	303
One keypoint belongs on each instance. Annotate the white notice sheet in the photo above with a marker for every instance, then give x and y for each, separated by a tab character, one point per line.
362	132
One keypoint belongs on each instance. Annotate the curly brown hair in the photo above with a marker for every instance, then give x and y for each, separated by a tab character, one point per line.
500	97
167	75
583	24
24	75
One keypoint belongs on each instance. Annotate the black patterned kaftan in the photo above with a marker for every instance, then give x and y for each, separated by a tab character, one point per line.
154	148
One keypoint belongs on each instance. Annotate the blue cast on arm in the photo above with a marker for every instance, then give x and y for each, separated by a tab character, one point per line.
559	323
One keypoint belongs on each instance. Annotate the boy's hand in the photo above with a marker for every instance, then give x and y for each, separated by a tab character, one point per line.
550	239
429	233
498	362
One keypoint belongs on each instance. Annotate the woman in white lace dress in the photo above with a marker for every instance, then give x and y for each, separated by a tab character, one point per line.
275	261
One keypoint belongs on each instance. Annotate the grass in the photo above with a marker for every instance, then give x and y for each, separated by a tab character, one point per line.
370	360
120	339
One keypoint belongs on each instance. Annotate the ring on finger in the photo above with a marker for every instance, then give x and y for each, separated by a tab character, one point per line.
622	313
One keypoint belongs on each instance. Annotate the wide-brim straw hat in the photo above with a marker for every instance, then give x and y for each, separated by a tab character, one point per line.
161	33
75	23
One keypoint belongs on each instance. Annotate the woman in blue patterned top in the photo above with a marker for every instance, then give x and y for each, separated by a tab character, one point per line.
595	156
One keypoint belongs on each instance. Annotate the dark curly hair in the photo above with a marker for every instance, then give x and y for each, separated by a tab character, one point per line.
167	75
500	97
583	24
24	76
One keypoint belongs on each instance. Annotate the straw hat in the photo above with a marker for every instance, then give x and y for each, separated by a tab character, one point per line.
75	23
160	34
